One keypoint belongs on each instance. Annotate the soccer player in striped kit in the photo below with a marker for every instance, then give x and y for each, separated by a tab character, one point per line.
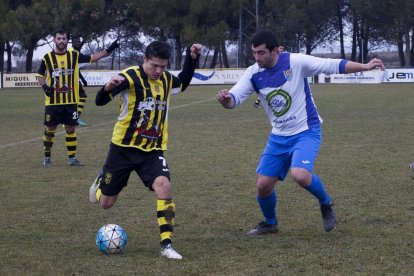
140	135
280	80
58	75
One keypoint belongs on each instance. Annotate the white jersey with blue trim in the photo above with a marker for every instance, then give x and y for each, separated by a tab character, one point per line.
284	90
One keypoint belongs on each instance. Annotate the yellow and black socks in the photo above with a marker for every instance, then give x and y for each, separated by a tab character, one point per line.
165	217
48	140
81	105
71	144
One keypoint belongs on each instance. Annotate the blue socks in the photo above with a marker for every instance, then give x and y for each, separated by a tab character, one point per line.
268	207
316	188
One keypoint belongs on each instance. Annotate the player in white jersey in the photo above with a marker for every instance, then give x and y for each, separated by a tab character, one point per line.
280	81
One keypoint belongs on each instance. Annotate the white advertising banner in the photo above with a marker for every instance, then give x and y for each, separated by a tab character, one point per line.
215	76
219	76
20	80
371	77
398	75
98	78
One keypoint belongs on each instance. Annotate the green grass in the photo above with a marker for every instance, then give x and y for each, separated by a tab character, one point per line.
48	227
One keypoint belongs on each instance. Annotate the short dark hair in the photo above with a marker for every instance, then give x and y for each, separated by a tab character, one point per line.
266	37
61	31
158	49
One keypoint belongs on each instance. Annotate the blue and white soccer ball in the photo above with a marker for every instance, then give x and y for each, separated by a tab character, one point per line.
111	239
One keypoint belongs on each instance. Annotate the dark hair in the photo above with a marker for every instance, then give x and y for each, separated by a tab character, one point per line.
61	31
266	37
158	49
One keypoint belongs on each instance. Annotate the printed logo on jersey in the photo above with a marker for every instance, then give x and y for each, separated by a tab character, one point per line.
151	104
48	117
288	74
141	126
57	74
279	101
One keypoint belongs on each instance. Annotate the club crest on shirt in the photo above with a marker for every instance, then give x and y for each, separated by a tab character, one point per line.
108	177
48	117
288	74
279	101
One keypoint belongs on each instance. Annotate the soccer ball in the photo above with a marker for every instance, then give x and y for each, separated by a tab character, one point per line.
111	239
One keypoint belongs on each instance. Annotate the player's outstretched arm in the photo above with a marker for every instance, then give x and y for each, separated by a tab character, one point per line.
189	66
114	45
226	100
352	67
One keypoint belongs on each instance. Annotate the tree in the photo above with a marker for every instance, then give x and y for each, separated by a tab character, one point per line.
29	31
166	21
304	23
399	20
212	23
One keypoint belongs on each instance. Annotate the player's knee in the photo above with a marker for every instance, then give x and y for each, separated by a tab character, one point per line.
70	129
301	176
162	186
107	202
264	188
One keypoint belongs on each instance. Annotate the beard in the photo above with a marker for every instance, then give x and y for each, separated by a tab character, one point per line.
61	46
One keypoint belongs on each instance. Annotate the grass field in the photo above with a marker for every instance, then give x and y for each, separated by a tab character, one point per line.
48	227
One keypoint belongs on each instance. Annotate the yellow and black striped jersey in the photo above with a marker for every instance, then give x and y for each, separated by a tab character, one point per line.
62	74
143	118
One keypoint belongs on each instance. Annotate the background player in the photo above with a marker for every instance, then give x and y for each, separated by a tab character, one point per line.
58	75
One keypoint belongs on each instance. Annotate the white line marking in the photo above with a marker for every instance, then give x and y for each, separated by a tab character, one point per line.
95	125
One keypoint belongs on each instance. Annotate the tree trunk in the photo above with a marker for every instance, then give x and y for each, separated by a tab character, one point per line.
361	36
205	60
412	48
178	55
224	55
9	57
341	30
400	46
354	38
407	49
29	58
214	59
2	56
308	49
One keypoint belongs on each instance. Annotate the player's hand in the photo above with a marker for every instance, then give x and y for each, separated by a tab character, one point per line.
48	90
113	46
115	81
375	63
195	50
224	97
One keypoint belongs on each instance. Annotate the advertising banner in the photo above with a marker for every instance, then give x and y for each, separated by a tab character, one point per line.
19	80
370	77
398	75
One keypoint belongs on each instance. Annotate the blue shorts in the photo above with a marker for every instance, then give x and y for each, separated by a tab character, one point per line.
283	152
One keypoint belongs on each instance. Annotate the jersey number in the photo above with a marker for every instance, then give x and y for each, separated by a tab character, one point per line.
164	163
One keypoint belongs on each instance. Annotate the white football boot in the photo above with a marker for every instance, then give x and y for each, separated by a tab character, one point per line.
169	252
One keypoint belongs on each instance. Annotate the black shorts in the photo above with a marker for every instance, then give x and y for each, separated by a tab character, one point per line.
121	161
66	114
